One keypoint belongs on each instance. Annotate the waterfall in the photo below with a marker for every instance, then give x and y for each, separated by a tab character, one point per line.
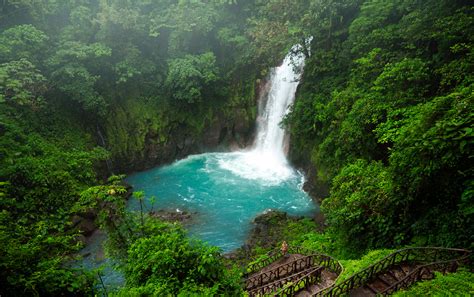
108	162
267	159
283	83
229	189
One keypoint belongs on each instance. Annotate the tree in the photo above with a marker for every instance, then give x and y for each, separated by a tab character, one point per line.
360	209
22	42
168	262
190	77
74	64
21	83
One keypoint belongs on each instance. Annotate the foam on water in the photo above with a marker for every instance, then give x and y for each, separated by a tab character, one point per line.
225	201
283	83
228	190
255	165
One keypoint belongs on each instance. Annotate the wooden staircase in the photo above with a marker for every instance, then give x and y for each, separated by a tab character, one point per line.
277	287
307	273
399	270
383	281
285	267
327	280
300	271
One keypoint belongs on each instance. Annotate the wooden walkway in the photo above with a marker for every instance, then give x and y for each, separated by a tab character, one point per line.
301	269
307	273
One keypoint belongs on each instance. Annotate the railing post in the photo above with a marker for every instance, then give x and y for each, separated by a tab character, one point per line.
435	256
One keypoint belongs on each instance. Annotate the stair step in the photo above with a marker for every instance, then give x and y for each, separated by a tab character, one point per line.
371	288
393	275
381	278
303	293
280	282
427	274
283	268
379	285
361	292
406	268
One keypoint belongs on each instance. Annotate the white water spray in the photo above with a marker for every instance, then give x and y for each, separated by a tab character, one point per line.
284	81
228	203
267	160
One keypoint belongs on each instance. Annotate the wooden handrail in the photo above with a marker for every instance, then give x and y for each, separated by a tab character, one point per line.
312	277
417	273
417	254
431	257
294	279
274	273
275	254
318	260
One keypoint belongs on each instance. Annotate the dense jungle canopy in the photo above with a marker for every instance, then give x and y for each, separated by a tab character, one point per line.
383	125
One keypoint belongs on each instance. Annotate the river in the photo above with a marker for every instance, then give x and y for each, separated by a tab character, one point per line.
225	191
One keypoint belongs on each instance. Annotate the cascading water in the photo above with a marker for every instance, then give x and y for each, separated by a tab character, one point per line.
284	81
267	160
226	191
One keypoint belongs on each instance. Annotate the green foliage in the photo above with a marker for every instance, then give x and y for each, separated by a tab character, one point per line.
119	74
77	51
385	111
74	64
353	266
358	209
75	81
440	136
42	175
188	77
101	59
169	258
157	258
164	261
21	83
34	251
403	81
22	42
190	23
34	164
129	126
133	66
322	242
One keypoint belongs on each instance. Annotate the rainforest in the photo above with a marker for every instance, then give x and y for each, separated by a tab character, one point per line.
236	147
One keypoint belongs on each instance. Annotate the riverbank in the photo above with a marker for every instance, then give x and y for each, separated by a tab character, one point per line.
269	230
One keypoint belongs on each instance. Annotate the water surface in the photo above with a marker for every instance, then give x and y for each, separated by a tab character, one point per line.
226	190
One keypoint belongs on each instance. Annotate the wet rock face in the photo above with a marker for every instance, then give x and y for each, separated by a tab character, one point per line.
314	186
182	217
221	134
268	232
231	127
85	222
269	229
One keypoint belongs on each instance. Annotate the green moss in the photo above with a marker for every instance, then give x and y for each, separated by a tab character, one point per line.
460	283
129	124
134	123
353	266
242	100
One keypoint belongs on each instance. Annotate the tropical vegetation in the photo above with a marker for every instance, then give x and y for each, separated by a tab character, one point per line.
383	124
